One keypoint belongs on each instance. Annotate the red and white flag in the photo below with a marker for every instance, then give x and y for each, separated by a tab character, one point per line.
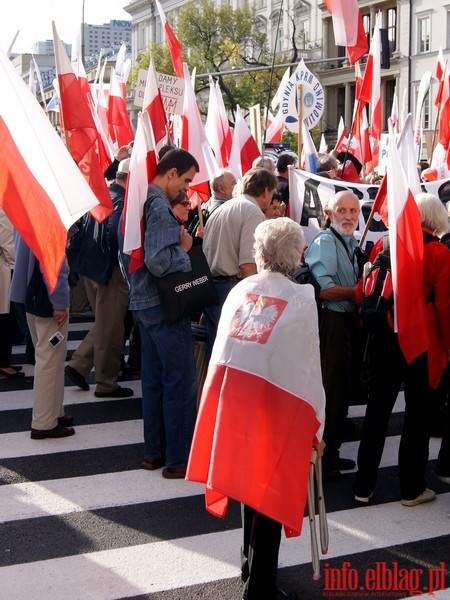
348	27
122	69
217	128
278	94
193	139
35	78
173	42
370	89
80	130
441	67
309	152
262	402
150	136
406	248
244	149
120	127
41	189
275	129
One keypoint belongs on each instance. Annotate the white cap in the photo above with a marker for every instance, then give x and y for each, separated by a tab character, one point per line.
124	166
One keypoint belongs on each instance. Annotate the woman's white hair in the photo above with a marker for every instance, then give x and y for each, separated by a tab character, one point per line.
278	246
433	214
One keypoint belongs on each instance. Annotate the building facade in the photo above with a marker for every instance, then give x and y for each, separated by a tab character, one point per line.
413	32
106	38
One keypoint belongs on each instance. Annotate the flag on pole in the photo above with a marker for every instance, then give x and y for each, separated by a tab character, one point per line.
217	128
395	113
244	149
278	94
348	27
441	66
309	153
262	401
274	131
41	189
120	127
193	139
175	48
80	130
406	249
370	89
122	70
35	76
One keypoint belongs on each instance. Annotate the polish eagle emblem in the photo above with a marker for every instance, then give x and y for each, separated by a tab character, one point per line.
255	319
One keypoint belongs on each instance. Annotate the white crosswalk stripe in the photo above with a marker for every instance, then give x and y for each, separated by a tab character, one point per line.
80	520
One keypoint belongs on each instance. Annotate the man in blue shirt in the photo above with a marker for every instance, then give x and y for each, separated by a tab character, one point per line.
332	260
169	380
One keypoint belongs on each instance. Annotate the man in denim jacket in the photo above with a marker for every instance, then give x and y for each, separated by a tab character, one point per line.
169	381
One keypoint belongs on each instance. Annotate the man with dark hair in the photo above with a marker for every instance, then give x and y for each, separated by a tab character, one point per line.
169	380
94	254
285	160
228	240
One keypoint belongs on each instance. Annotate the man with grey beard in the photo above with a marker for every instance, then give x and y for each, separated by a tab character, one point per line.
333	262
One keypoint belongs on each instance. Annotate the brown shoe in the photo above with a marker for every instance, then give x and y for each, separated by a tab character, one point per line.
151	464
66	420
57	432
174	473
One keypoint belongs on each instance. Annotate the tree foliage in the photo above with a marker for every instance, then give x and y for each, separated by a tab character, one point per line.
216	40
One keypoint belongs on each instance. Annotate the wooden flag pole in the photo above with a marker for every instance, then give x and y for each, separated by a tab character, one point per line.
300	118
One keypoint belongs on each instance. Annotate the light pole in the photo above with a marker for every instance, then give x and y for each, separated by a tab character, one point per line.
82	32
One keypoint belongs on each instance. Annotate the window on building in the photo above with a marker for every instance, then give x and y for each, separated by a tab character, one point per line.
303	33
392	29
340	104
423	33
276	32
389	90
260	4
426	113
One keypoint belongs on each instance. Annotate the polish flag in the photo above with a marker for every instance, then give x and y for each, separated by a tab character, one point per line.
406	248
79	129
218	132
175	47
395	113
309	153
274	131
408	156
78	67
444	115
441	67
370	89
150	137
348	27
244	149
262	406
279	93
122	70
193	139
35	77
120	127
41	189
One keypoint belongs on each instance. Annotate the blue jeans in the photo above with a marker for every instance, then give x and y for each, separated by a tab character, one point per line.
169	386
212	314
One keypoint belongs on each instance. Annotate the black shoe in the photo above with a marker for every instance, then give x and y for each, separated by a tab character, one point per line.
119	392
57	432
76	378
8	375
66	420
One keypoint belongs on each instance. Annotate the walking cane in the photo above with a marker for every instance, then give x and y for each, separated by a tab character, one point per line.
315	479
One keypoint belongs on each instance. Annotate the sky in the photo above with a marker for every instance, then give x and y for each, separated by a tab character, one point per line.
33	19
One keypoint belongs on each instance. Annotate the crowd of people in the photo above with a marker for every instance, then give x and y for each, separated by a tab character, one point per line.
252	249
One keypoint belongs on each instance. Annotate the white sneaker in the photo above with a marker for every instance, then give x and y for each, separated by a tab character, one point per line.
426	496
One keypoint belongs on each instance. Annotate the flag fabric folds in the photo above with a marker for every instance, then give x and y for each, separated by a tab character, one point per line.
262	406
217	127
348	27
406	248
173	42
80	130
120	127
41	189
244	149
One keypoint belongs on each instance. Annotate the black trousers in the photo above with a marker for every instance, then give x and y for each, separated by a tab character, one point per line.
388	369
261	544
340	352
6	339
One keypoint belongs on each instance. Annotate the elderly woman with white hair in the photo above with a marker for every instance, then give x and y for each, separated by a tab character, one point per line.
388	369
262	406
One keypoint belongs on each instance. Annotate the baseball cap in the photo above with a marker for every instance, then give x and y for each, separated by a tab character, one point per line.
124	166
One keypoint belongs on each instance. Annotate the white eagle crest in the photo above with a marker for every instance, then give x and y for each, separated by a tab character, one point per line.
253	319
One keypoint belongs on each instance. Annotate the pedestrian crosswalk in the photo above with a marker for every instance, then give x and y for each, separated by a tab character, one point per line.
80	520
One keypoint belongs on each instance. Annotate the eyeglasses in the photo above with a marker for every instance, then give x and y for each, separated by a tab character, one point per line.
185	203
